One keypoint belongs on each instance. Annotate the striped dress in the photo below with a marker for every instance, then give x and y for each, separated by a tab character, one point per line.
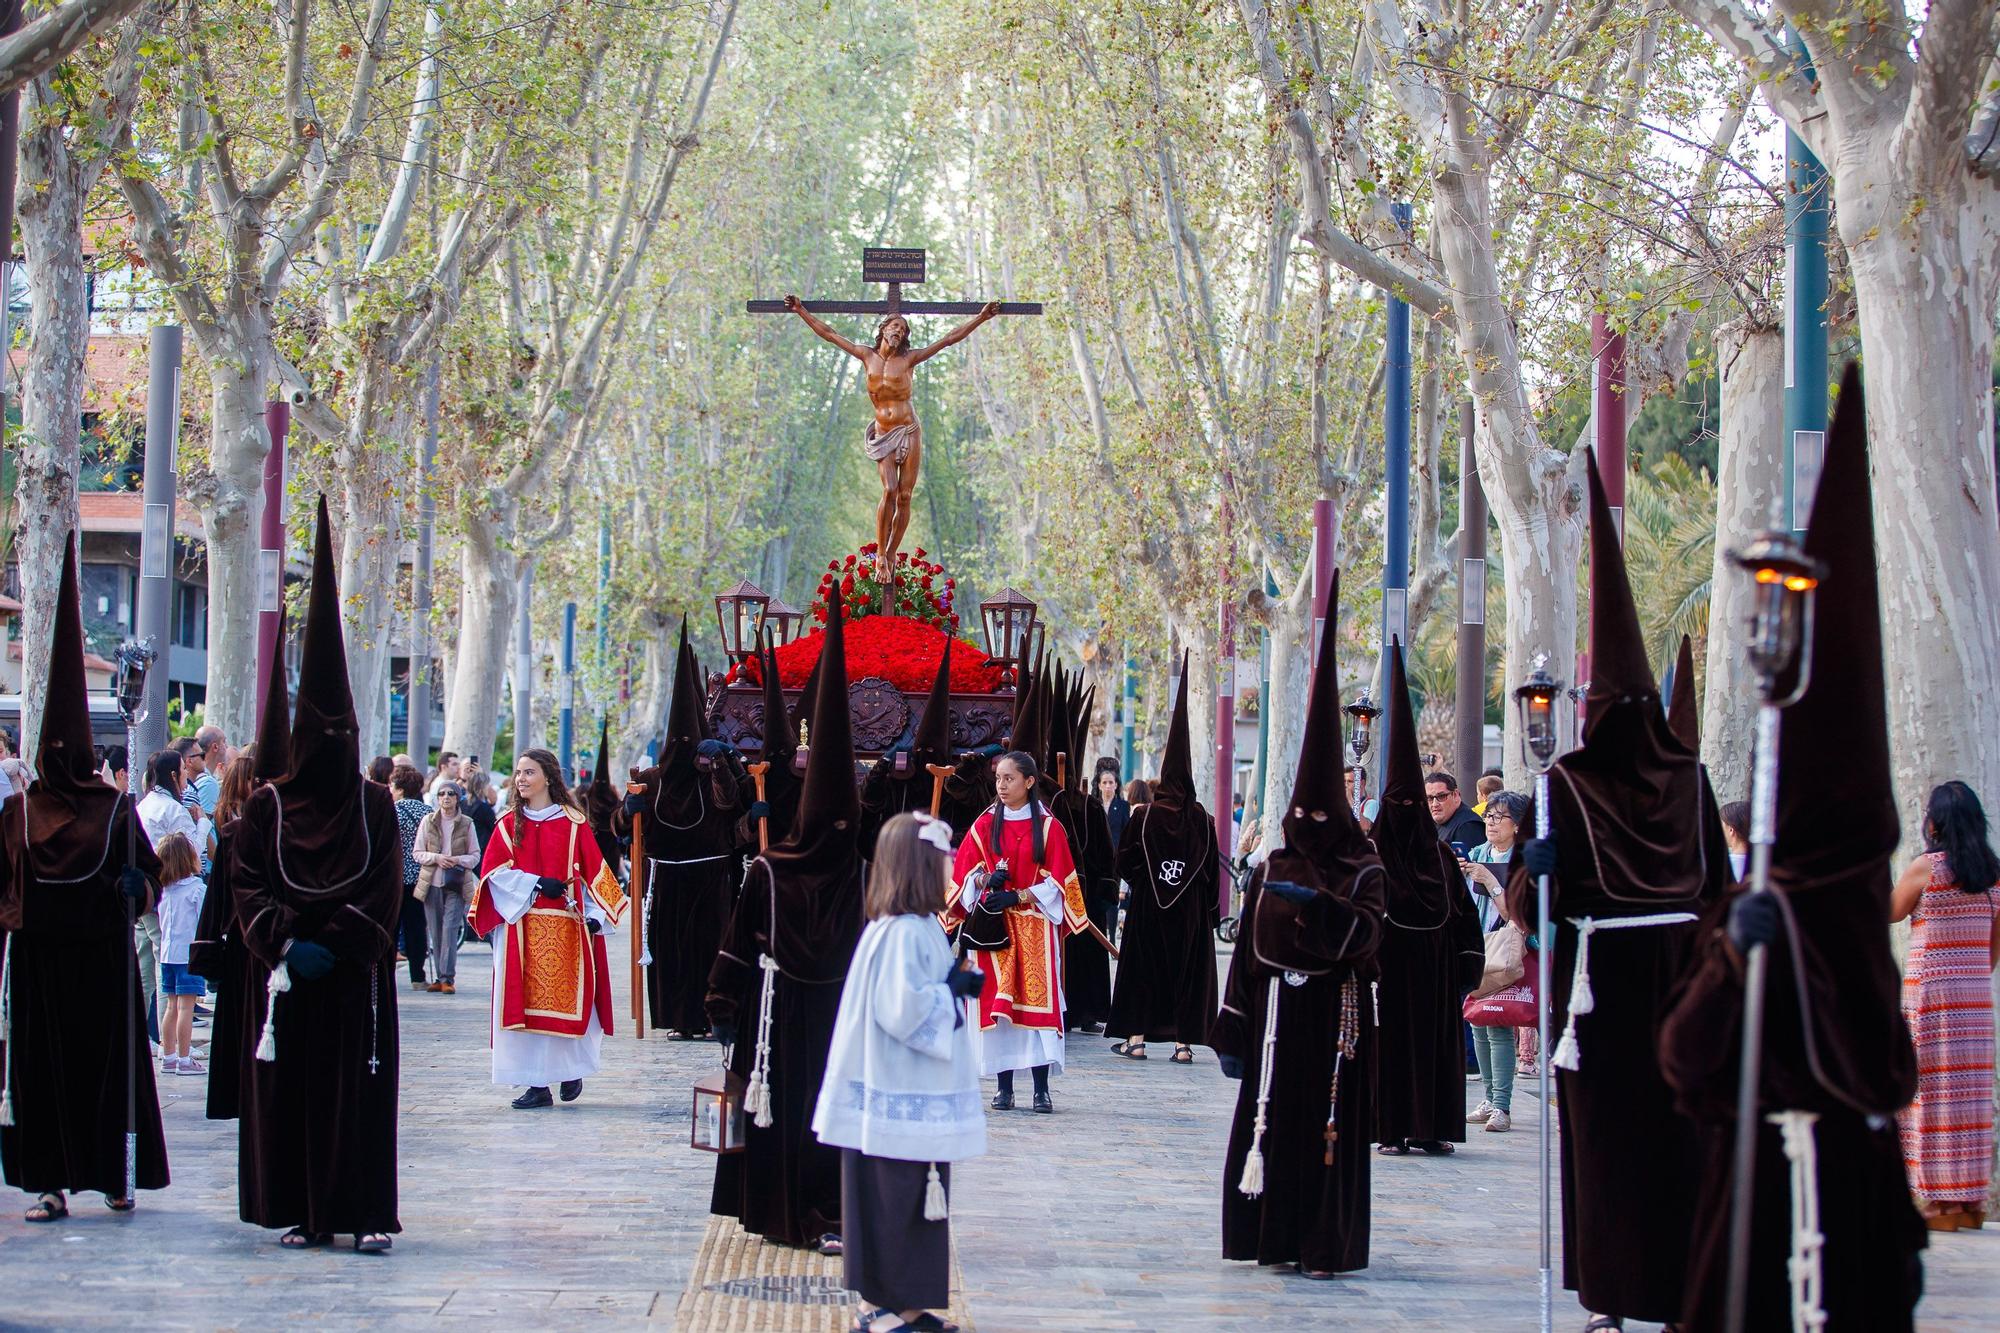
1948	1002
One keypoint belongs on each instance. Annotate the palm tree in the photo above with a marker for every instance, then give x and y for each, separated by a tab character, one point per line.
1669	551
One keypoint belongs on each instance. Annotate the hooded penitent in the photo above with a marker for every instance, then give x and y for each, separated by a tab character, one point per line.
274	725
801	907
885	792
675	795
782	784
1684	711
1086	966
316	858
1304	966
1834	1040
1430	955
1166	970
1638	850
601	799
75	1038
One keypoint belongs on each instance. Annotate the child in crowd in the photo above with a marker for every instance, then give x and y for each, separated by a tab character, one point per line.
180	910
901	1091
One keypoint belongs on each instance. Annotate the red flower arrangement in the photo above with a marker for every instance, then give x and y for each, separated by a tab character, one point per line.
913	582
899	649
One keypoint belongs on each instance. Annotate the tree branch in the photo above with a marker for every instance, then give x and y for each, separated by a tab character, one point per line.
40	46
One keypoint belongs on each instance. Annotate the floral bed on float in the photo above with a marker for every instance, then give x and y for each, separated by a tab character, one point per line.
902	647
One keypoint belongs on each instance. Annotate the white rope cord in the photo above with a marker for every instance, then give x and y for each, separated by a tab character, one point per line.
1801	1151
7	1028
1252	1183
281	981
935	1209
757	1097
1582	999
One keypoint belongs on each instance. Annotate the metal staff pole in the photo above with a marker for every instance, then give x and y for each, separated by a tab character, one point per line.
1363	712
1536	699
1781	654
134	660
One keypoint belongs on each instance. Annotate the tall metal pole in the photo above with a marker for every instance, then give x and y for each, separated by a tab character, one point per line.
1469	708
271	544
1396	473
1607	351
1225	743
418	742
1263	704
1806	228
156	537
524	657
1545	1116
566	726
10	156
1128	750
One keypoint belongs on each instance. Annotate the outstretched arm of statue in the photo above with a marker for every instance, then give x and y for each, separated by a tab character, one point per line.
922	354
820	326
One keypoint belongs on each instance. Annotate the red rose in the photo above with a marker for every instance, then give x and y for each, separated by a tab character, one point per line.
847	584
920	553
833	564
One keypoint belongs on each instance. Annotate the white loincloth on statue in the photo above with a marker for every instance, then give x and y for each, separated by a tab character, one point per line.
897	442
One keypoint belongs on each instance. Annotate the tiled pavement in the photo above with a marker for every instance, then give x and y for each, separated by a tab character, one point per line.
1102	1217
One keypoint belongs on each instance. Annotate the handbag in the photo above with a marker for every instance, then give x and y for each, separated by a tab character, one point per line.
451	877
1512	1006
1504	949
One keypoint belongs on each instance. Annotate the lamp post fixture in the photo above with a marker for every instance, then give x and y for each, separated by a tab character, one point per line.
1536	699
739	615
1364	712
1786	580
1007	620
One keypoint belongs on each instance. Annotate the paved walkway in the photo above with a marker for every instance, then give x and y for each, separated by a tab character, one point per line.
1102	1217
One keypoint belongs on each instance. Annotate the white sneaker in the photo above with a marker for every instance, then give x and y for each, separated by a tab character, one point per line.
1497	1123
170	1064
194	1066
1479	1113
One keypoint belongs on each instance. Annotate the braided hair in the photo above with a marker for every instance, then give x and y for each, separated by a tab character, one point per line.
1025	765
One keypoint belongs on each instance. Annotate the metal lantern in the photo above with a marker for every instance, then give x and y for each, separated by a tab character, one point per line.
1008	621
1363	712
1781	614
134	660
782	620
1536	699
718	1114
739	614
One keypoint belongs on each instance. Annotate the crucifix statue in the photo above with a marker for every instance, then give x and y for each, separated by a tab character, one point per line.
894	440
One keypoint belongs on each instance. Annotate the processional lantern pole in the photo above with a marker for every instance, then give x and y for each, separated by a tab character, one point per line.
1780	651
1536	699
134	660
1364	712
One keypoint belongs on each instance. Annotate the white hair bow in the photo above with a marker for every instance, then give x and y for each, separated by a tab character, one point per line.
936	832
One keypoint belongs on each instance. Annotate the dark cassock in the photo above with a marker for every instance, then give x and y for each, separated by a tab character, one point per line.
787	947
601	800
1166	956
1837	1058
1431	951
783	779
1639	854
1086	962
317	874
690	819
69	999
887	792
1295	1025
217	952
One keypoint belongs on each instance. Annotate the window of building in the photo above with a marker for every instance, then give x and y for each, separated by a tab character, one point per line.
190	616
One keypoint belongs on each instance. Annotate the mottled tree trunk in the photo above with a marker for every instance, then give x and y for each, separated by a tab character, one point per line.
237	450
485	638
1285	699
1748	484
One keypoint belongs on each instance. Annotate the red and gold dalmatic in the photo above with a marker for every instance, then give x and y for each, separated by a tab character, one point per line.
1024	980
552	971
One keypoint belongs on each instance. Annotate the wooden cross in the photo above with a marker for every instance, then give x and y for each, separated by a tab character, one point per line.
895	267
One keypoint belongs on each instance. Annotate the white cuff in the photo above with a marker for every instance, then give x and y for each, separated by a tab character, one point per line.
1048	896
513	891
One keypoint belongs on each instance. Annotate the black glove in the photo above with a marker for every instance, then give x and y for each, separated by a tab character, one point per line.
964	982
596	926
996	879
760	809
724	1032
307	961
133	881
1231	1066
1753	920
551	887
1290	892
1539	856
999	900
635	804
993	751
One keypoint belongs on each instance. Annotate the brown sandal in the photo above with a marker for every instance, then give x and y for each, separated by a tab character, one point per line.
49	1208
1130	1050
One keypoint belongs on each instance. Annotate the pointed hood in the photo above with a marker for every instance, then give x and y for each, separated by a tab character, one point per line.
1684	711
1058	723
1027	730
780	737
1176	818
1176	784
603	796
1419	887
69	807
1619	668
931	742
1324	847
822	841
324	838
677	796
1630	807
274	726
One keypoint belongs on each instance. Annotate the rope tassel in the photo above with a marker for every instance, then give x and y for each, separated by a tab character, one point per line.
7	1029
1252	1183
757	1097
1801	1151
935	1209
280	982
645	916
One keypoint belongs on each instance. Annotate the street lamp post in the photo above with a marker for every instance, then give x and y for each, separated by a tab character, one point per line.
1536	699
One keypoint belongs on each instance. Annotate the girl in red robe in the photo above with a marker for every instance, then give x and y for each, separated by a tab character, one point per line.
545	888
1015	889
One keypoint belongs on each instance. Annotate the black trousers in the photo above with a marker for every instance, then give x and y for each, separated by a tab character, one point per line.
416	934
890	1254
1040	1073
